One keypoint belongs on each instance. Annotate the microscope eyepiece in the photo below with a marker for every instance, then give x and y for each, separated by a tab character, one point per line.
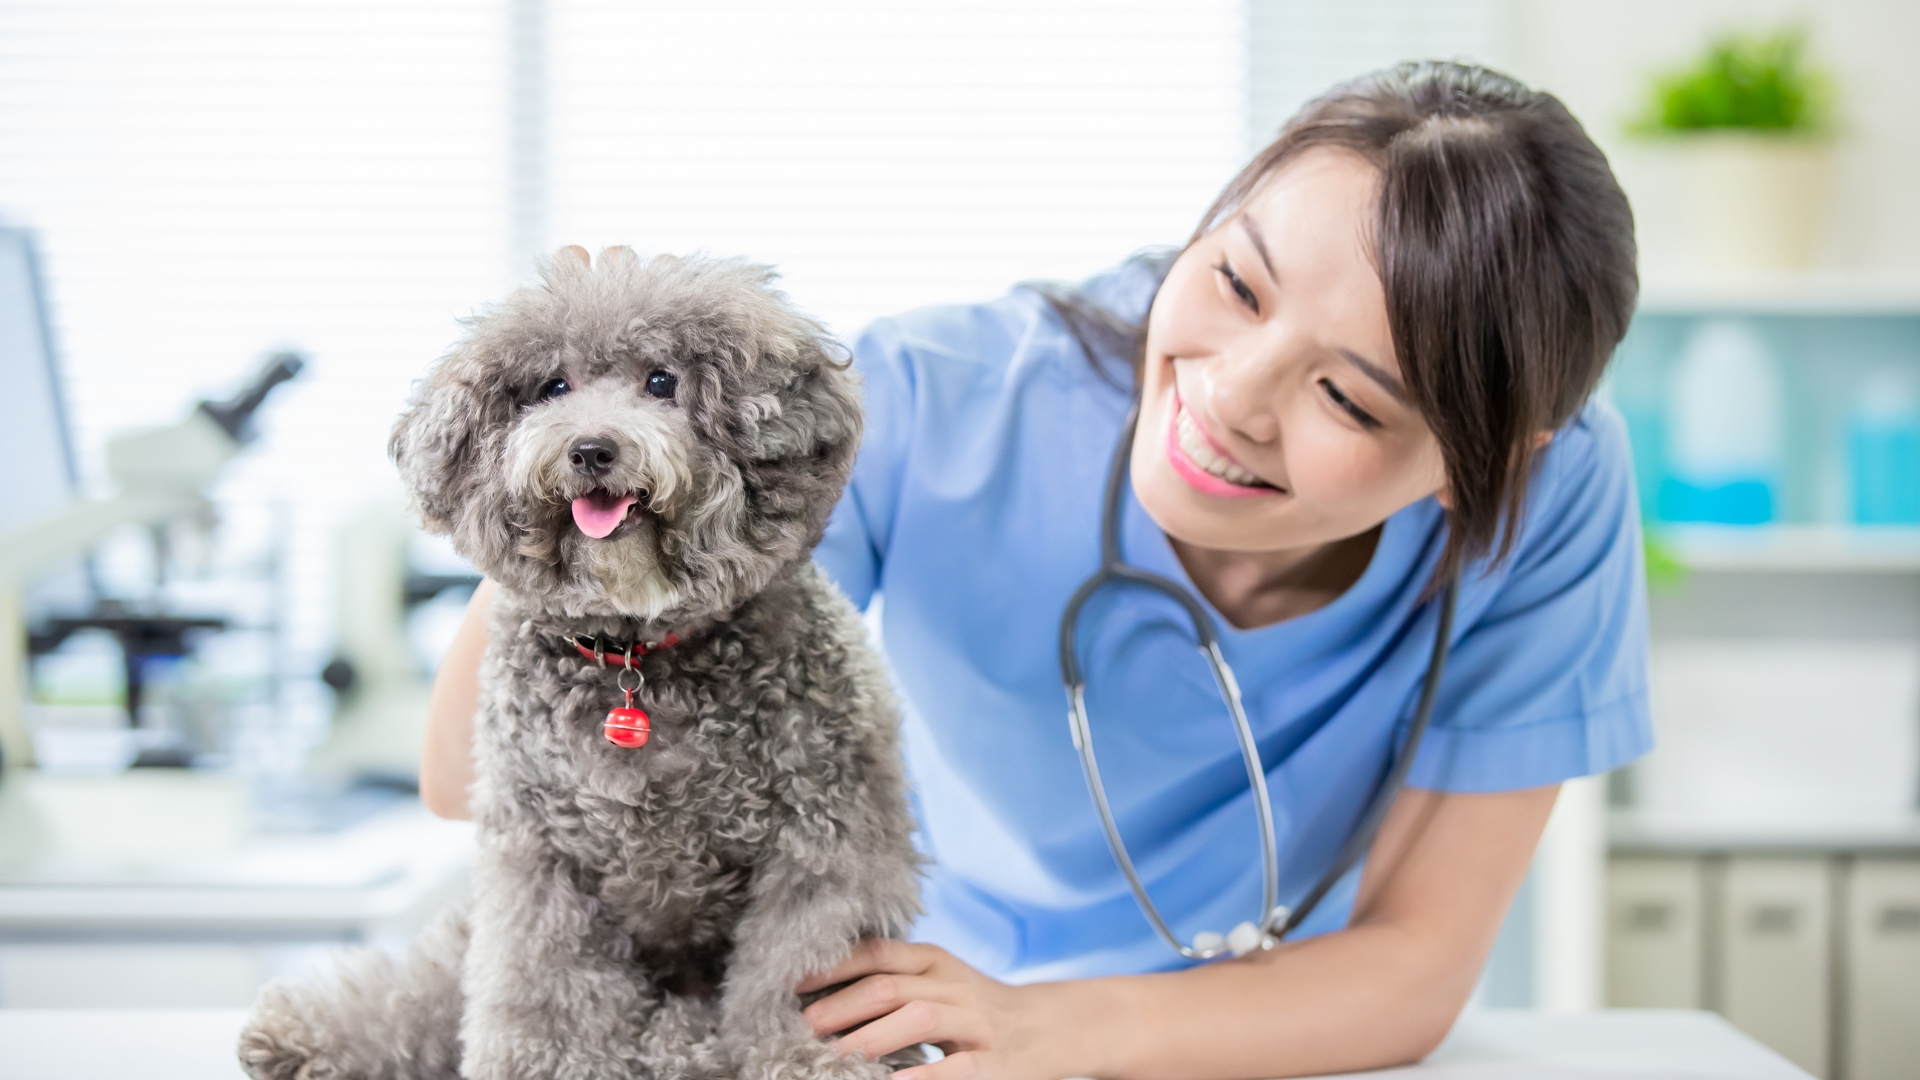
233	414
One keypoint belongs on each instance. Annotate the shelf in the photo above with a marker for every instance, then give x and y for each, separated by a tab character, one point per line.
1793	548
1672	832
1810	293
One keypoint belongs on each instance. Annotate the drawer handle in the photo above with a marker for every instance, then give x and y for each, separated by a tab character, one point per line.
1648	918
1773	919
1900	919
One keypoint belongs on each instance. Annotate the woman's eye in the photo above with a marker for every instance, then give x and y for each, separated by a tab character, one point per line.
551	389
661	384
1365	418
1239	287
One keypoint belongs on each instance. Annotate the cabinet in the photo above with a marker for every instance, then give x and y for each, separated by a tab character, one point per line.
1814	953
1881	980
1774	958
1655	914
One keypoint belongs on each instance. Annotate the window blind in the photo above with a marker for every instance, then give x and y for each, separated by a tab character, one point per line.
889	155
1299	48
214	178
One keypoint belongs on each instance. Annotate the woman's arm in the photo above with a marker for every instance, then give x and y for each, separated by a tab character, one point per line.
1382	992
446	758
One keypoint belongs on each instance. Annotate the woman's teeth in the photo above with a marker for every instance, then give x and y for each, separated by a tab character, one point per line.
1196	447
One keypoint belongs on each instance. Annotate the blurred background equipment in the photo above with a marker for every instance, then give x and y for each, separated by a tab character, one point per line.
1766	856
401	599
191	884
161	475
34	440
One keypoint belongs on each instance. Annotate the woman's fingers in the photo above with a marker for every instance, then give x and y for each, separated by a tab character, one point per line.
902	995
872	956
914	1023
965	1065
873	996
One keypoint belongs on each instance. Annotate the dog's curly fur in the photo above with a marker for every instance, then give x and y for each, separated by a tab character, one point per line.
639	912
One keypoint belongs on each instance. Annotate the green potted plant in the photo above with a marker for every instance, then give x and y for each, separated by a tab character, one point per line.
1752	124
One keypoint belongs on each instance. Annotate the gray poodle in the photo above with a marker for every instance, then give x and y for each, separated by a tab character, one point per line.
642	453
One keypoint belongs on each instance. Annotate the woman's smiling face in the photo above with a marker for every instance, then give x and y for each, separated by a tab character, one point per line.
1273	416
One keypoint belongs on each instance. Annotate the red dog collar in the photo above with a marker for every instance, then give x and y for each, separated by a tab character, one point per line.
627	657
627	726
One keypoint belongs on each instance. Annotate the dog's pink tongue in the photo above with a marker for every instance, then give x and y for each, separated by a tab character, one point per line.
600	513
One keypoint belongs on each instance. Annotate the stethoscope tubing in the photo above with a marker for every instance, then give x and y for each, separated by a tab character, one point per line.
1389	791
1276	922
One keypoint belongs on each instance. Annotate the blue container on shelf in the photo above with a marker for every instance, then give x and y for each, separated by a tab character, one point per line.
1724	435
1883	450
1732	502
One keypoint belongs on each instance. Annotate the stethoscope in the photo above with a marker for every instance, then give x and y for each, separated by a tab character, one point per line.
1276	921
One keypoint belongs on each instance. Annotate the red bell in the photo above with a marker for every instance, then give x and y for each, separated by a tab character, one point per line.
628	727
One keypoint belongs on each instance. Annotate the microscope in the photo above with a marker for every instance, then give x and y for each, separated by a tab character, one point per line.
162	475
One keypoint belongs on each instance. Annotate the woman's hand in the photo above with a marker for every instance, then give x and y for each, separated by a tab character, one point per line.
1384	991
910	994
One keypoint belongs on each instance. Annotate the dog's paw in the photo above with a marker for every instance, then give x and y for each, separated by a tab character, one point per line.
273	1049
811	1060
682	1042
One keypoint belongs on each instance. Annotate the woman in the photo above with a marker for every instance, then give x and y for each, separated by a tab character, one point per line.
1368	371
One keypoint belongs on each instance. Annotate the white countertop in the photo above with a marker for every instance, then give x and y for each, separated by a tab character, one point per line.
1617	1044
78	881
198	1044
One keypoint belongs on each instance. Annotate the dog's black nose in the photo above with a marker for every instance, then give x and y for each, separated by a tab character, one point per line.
593	458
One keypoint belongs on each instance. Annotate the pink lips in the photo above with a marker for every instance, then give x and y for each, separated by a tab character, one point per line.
1196	477
598	513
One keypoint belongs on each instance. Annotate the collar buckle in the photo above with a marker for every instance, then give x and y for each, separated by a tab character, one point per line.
627	656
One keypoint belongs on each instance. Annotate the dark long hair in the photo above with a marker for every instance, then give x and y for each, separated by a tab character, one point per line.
1505	248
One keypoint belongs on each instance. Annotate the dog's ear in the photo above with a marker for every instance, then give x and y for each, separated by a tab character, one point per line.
820	408
803	443
436	441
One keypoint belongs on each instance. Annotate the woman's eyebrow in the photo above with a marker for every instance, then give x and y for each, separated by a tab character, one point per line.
1259	245
1387	380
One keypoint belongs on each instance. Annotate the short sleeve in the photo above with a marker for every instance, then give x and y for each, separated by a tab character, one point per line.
1549	682
853	551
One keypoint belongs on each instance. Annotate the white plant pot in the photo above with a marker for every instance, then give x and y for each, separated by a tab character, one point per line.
1755	203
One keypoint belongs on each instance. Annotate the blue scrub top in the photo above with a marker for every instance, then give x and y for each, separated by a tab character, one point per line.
974	511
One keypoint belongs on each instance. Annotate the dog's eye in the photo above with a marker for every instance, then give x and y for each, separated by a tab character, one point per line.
661	384
551	389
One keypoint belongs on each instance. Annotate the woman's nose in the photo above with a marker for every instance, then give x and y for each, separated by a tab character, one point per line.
1241	396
